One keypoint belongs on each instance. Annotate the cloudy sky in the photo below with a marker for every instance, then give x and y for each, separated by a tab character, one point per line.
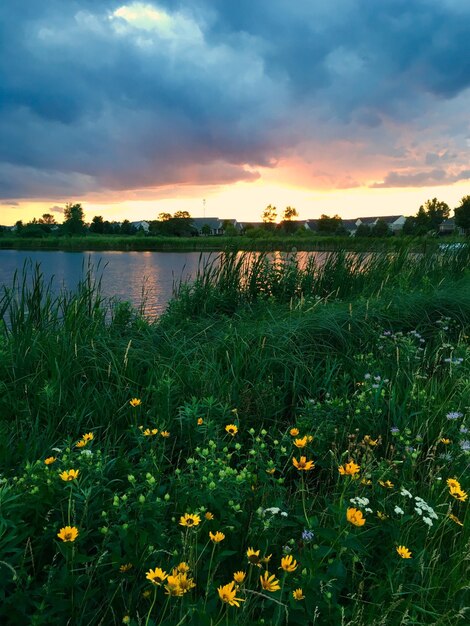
358	107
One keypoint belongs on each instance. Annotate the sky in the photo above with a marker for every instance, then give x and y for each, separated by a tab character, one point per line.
220	107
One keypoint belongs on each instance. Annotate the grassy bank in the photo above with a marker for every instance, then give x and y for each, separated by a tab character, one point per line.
245	243
368	359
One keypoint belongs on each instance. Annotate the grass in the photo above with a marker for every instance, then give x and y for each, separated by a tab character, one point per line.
368	356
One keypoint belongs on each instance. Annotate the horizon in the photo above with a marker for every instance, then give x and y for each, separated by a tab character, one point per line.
138	108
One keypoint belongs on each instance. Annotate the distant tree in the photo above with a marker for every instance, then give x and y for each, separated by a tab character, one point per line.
97	225
126	228
164	217
206	230
181	215
269	216
74	219
381	229
435	211
462	215
327	225
48	219
229	229
409	227
363	230
289	214
18	226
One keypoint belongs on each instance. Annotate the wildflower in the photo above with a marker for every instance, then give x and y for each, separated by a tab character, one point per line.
294	432
454	415
366	481
387	484
68	533
126	619
208	515
354	516
165	433
271	470
150	432
231	429
200	421
309	438
81	444
125	568
382	517
404	552
227	594
185	584
182	568
465	445
298	594
349	469
444	440
239	577
394	430
189	520
300	443
399	511
217	537
458	493
50	460
369	441
307	535
303	464
269	583
156	576
253	556
135	402
88	437
146	594
453	482
69	475
265	559
288	563
405	492
455	519
173	587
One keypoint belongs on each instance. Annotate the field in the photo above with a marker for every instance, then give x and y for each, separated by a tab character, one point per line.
285	445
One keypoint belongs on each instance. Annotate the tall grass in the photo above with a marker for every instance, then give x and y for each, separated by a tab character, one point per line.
356	346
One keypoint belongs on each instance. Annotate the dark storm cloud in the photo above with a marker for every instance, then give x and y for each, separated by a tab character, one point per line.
422	179
93	100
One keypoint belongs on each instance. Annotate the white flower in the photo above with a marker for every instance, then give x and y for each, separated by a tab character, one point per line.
399	511
427	521
283	514
405	492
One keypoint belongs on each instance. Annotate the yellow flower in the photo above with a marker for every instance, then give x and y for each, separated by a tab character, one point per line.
266	558
200	421
68	533
165	433
300	443
269	583
217	537
156	576
381	516
366	481
445	441
182	568
185	583
294	432
232	430
404	552
50	460
458	493
455	519
146	594
453	482
309	438
369	441
126	619
69	475
208	515
303	464
387	484
189	520
298	594
88	437
239	577
150	432
227	593
270	470
354	516
253	556
81	444
173	587
135	402
125	568
288	563
349	469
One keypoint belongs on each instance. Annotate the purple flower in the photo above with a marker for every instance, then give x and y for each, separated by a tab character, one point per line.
465	445
307	535
394	430
454	415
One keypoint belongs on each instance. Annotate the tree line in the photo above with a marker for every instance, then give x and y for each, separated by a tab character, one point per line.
427	221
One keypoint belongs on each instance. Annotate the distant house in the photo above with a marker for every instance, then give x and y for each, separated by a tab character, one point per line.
394	222
448	227
141	225
206	226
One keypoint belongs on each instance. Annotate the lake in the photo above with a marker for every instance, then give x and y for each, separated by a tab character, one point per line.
124	275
